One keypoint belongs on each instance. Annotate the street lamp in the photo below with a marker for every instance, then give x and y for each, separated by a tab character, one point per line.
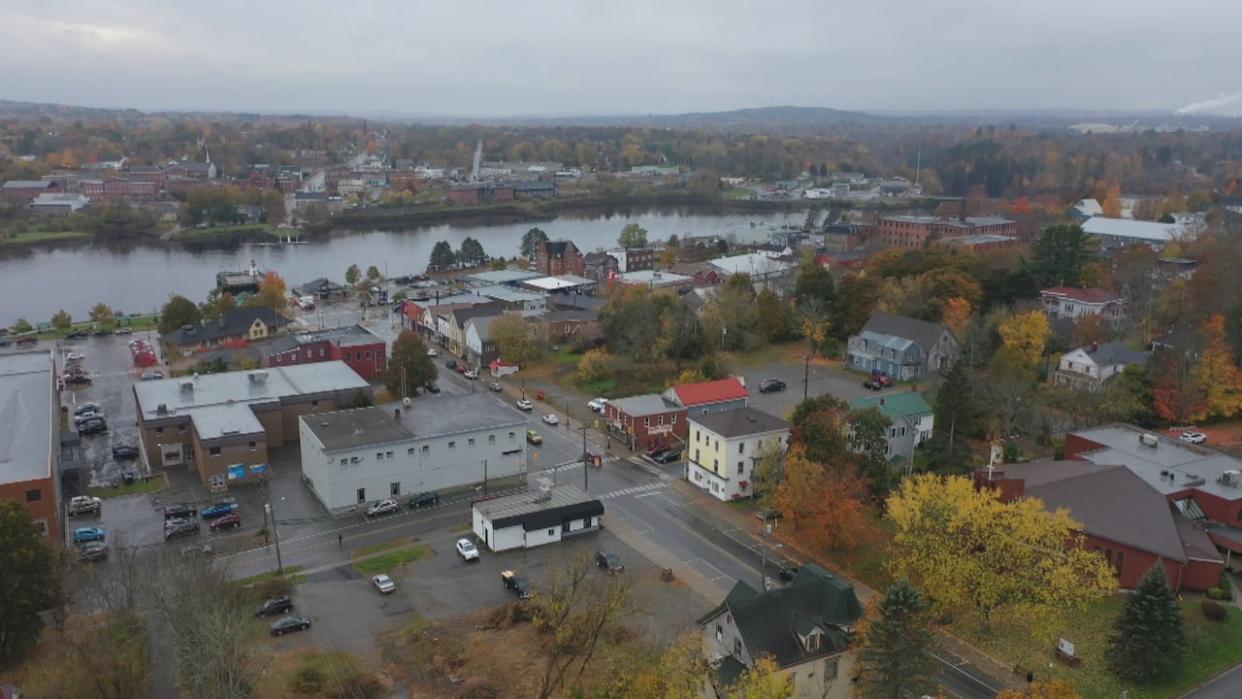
270	514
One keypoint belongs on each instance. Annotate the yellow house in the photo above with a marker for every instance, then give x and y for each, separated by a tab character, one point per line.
723	448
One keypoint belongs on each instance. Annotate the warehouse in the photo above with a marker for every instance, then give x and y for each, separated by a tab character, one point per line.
536	517
438	443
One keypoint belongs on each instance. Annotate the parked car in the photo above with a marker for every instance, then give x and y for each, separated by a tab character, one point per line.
229	521
384	584
656	448
427	499
598	404
85	408
82	535
100	332
431	352
180	529
84	504
90	414
461	369
383	507
124	452
550	419
124	331
27	341
180	510
771	386
218	509
471	374
77	379
525	404
520	585
431	387
276	605
75	357
195	550
533	437
878	380
495	387
76	335
1192	437
152	375
609	562
451	364
467	550
284	625
93	553
669	455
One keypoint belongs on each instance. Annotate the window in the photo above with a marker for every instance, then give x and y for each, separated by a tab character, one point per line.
353	459
470	442
409	452
737	647
716	465
344	461
452	445
1121	562
660	420
696	455
159	431
812	643
741	467
34	495
314	404
214	451
379	456
552	532
647	422
426	448
741	447
394	489
698	435
491	439
672	420
719	632
254	446
362	495
321	353
830	668
388	455
42	525
512	436
368	354
348	357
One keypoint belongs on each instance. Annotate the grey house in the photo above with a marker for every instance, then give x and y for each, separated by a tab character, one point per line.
904	348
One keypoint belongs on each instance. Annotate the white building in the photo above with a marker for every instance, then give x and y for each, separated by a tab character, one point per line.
1089	368
764	271
724	447
1118	232
1069	303
439	443
536	517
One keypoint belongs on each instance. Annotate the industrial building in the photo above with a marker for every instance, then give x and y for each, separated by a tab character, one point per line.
30	437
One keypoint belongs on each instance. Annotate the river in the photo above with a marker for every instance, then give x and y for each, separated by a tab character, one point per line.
36	282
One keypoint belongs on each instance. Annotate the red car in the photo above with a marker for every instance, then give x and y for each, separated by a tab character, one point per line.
656	449
229	521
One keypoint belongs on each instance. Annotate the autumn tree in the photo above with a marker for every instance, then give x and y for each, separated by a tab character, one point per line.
773	319
1149	638
178	311
895	657
374	275
62	321
21	325
1056	689
819	427
1060	254
681	333
731	317
1024	336
516	339
852	304
409	367
1217	375
353	275
764	680
826	504
813	282
26	576
632	236
1022	557
531	240
1092	329
219	306
1111	203
273	293
955	314
868	435
592	367
442	256
680	673
103	315
1176	396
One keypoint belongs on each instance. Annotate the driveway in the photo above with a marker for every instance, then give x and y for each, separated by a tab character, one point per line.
820	378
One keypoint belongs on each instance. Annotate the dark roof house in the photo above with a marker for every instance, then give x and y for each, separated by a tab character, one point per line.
249	323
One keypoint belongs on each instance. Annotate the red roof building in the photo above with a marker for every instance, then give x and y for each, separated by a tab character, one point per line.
709	396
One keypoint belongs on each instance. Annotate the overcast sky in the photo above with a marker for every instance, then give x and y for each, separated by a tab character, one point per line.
544	57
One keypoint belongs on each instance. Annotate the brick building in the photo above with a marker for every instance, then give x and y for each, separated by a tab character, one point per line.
25	190
30	438
913	232
359	348
644	421
118	188
558	257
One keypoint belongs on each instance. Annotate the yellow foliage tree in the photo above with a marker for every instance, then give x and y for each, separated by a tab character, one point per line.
971	551
763	681
1056	689
1217	374
592	367
1111	203
681	673
827	505
1023	336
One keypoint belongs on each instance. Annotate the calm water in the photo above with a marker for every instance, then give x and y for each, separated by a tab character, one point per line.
35	283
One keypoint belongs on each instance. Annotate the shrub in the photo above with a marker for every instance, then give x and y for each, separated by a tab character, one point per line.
273	587
308	679
1215	593
1225	584
1214	611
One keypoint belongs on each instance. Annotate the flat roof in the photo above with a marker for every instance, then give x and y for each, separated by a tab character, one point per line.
1129	228
751	263
653	277
500	292
565	281
26	422
229	420
740	422
503	276
646	404
1191	466
444	414
243	387
359	427
536	509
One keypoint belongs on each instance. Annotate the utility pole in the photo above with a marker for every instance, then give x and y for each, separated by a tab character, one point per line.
806	374
484	477
586	467
268	512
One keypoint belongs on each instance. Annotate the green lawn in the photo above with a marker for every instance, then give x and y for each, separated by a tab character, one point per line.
1213	647
138	486
223	232
294	573
387	562
739	193
31	237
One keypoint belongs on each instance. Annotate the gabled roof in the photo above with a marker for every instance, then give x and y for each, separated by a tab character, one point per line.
556	247
707	392
896	406
768	622
922	332
740	422
1087	295
463	315
1111	353
231	324
1138	230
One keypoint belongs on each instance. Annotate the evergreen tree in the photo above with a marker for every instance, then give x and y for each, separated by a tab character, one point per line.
1061	254
895	657
1149	638
957	416
530	242
442	256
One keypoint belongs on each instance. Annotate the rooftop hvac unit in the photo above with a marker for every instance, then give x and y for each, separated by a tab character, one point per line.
1230	478
187	386
1148	439
257	377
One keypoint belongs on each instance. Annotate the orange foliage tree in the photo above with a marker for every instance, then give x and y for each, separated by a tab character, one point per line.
1056	689
1217	375
1175	396
956	315
826	505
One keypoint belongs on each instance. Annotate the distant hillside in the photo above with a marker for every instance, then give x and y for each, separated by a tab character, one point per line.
759	119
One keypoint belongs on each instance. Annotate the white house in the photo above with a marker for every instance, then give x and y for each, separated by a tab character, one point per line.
724	447
1069	303
535	517
438	443
911	421
1089	368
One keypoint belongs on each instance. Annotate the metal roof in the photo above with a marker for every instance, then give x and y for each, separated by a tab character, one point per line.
503	276
647	404
229	420
508	294
1138	230
653	278
27	424
565	281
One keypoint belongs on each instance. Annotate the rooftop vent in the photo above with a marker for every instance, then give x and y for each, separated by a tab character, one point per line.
1231	478
161	409
257	377
1148	439
187	386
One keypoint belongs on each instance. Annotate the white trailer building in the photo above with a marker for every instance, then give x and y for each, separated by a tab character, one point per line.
536	517
438	443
